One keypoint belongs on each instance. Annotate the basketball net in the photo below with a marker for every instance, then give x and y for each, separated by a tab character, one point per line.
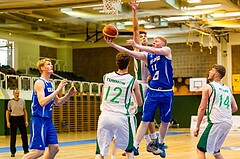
111	6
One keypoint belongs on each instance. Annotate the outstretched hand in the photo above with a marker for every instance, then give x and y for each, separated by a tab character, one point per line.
131	42
109	40
134	4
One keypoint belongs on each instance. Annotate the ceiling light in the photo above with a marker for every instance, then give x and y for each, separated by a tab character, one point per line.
66	10
72	13
179	18
229	14
200	7
147	0
97	8
90	6
194	1
208	6
149	26
40	19
128	23
120	25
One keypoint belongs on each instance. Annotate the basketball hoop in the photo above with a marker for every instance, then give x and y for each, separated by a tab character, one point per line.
111	6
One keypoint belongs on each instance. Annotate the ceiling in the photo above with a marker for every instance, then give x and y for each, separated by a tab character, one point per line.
83	20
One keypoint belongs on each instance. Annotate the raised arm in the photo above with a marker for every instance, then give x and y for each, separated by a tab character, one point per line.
136	54
134	5
165	50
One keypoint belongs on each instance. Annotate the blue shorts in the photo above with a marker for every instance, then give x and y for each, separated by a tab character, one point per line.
43	133
161	99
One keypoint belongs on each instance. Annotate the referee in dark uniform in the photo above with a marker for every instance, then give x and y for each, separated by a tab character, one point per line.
16	116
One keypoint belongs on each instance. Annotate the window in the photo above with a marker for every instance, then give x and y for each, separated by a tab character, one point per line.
6	52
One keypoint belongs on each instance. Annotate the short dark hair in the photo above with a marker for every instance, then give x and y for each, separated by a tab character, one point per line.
142	32
122	60
220	69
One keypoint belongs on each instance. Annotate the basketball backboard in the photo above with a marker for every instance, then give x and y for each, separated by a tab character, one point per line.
196	84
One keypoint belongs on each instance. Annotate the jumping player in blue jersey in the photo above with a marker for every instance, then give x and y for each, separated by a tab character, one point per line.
159	94
43	133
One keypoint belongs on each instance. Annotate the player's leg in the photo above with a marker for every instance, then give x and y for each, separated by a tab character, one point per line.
33	154
130	155
51	141
221	131
143	127
150	107
153	145
36	140
200	154
218	155
124	135
166	104
114	150
104	134
143	88
52	151
98	156
162	133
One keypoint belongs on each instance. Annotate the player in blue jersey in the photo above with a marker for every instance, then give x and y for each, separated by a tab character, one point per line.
159	94
142	74
43	133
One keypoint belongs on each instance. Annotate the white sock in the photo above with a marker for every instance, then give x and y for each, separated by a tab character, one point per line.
136	144
147	138
153	136
161	140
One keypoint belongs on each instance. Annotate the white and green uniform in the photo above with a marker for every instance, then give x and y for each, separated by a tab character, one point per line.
133	119
141	74
115	115
219	113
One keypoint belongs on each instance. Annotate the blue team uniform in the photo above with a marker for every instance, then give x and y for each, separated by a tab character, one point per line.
159	93
43	131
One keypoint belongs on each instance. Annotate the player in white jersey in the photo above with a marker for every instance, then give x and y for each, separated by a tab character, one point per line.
219	104
117	92
133	124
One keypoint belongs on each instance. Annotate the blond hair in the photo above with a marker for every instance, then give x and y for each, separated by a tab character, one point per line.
41	62
162	39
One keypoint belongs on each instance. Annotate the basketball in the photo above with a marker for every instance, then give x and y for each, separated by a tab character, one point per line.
110	30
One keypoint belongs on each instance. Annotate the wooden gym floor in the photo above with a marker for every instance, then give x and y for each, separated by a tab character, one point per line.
181	143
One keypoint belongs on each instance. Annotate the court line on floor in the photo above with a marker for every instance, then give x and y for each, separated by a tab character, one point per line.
79	142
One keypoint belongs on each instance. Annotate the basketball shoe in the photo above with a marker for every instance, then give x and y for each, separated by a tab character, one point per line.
162	148
135	151
152	146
